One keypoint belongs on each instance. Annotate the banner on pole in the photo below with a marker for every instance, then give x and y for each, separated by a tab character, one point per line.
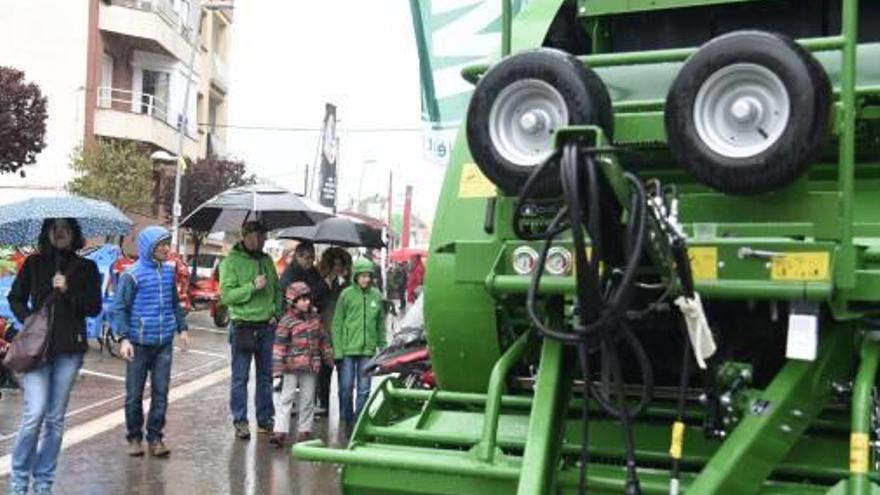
329	153
450	35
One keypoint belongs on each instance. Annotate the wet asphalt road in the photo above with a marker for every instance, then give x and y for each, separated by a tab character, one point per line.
205	459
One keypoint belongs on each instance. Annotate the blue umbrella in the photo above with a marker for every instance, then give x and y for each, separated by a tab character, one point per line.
20	222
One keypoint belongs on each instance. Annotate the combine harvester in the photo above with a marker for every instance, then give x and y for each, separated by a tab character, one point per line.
655	265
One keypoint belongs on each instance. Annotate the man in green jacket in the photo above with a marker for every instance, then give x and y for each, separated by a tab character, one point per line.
358	332
249	288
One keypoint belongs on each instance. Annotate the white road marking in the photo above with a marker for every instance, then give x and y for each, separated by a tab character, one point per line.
84	371
208	329
203	353
94	405
116	418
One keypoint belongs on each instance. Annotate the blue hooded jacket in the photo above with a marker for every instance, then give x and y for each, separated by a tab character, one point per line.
146	309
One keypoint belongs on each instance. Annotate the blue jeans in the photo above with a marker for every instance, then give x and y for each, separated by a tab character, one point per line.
154	360
351	370
46	393
241	370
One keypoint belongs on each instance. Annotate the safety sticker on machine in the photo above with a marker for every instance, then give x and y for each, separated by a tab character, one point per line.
858	453
704	262
806	266
474	184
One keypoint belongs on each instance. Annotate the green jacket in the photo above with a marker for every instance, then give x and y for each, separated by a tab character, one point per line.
359	319
237	292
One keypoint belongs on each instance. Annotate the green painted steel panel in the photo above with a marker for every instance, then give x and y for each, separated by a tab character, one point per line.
605	7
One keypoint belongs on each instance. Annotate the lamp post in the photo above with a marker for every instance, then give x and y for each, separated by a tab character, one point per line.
182	123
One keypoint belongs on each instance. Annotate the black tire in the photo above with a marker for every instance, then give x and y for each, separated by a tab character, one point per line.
585	96
801	140
221	316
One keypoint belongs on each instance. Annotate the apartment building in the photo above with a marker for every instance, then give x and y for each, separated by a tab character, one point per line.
118	69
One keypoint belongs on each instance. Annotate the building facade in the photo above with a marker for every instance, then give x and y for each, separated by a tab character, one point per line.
118	69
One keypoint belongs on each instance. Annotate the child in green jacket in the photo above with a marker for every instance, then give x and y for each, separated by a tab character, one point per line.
358	333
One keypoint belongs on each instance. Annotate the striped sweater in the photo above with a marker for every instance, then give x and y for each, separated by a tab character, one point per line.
300	344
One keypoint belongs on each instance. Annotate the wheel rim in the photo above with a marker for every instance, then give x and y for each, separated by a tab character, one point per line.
522	121
741	110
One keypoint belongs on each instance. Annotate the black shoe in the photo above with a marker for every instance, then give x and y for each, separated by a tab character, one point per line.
242	430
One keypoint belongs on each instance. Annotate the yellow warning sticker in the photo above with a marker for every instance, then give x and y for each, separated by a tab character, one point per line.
474	184
704	262
801	266
676	447
858	453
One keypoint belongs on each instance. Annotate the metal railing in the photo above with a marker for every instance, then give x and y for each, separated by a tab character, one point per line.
133	102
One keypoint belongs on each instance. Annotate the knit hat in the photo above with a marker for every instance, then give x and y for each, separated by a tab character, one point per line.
297	290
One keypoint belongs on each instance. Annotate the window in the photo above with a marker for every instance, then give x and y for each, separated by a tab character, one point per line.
105	91
154	98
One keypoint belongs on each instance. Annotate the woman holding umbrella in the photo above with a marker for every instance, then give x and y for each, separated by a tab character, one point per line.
75	282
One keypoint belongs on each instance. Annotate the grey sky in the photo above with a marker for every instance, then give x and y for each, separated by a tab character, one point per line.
290	57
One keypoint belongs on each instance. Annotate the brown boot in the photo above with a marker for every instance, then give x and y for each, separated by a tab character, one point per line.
135	448
158	449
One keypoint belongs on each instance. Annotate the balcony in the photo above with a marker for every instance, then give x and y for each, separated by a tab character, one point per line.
219	73
125	114
152	20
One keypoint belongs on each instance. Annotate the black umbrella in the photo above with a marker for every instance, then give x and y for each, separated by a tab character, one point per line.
275	207
339	231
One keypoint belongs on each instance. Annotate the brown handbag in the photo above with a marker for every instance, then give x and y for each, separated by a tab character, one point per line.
30	347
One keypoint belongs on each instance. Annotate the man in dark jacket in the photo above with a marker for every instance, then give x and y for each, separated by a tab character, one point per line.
146	316
302	269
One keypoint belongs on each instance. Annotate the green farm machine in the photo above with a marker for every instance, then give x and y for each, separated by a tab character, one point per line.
655	265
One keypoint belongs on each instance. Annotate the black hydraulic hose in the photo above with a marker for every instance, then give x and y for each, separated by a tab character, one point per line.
676	447
544	168
600	301
632	479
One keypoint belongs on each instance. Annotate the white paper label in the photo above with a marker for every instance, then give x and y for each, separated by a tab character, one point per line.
803	337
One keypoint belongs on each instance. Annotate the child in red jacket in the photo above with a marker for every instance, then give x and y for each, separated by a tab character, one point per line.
300	345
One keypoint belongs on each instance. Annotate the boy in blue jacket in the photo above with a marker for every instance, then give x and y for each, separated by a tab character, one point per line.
146	316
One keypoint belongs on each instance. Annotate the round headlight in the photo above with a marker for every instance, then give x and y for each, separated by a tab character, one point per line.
524	260
558	261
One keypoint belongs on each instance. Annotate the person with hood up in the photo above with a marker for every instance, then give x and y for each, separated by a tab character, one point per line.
249	288
301	347
358	333
146	316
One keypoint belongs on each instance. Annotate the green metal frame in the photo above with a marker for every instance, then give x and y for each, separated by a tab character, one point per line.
475	435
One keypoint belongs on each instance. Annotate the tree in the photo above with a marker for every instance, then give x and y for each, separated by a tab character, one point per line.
120	172
205	179
22	121
202	181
